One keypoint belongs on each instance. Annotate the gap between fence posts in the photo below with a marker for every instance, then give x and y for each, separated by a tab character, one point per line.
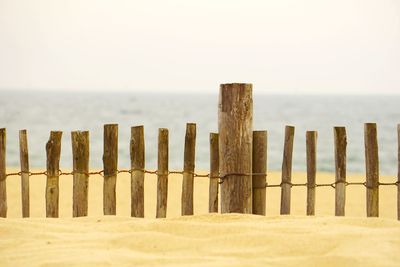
372	169
80	155
3	177
53	152
162	173
259	166
137	153
188	170
235	125
311	147
287	170
24	162
110	164
340	147
214	173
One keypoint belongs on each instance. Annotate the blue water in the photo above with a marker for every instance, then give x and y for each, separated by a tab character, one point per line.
41	112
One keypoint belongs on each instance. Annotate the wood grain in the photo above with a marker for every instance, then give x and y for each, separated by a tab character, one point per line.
259	166
188	170
137	153
80	155
372	169
162	173
340	139
53	151
235	126
110	165
24	162
287	170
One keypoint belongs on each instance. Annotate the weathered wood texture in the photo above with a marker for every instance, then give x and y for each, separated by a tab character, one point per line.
3	190
80	155
259	166
110	165
137	149
162	173
340	139
214	173
24	162
53	151
235	146
188	170
372	169
398	173
287	170
311	145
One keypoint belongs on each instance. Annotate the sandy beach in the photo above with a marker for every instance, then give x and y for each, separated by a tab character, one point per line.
200	240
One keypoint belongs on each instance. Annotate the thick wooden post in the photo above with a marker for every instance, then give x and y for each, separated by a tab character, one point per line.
80	155
188	170
311	144
110	163
24	162
398	173
162	173
214	173
372	169
235	147
340	169
137	171
3	190
287	170
259	166
53	151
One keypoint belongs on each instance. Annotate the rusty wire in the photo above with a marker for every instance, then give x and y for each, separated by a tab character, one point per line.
221	178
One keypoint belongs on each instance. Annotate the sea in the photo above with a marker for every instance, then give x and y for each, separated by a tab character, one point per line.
40	112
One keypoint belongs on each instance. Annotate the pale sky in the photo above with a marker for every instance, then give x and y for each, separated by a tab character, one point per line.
281	46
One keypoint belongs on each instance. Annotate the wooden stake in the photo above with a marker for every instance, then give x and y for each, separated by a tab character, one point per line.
80	155
372	169
53	151
24	161
3	188
162	173
110	162
235	147
214	173
340	169
287	170
259	166
137	171
188	170
398	173
311	143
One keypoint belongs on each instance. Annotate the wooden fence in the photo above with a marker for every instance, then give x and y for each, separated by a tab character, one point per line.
81	173
228	170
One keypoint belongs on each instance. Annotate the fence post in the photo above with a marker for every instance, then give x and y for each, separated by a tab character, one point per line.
53	151
162	173
235	125
372	169
214	173
80	155
188	170
24	161
259	166
3	177
311	143
287	170
110	162
398	173
137	171
340	139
